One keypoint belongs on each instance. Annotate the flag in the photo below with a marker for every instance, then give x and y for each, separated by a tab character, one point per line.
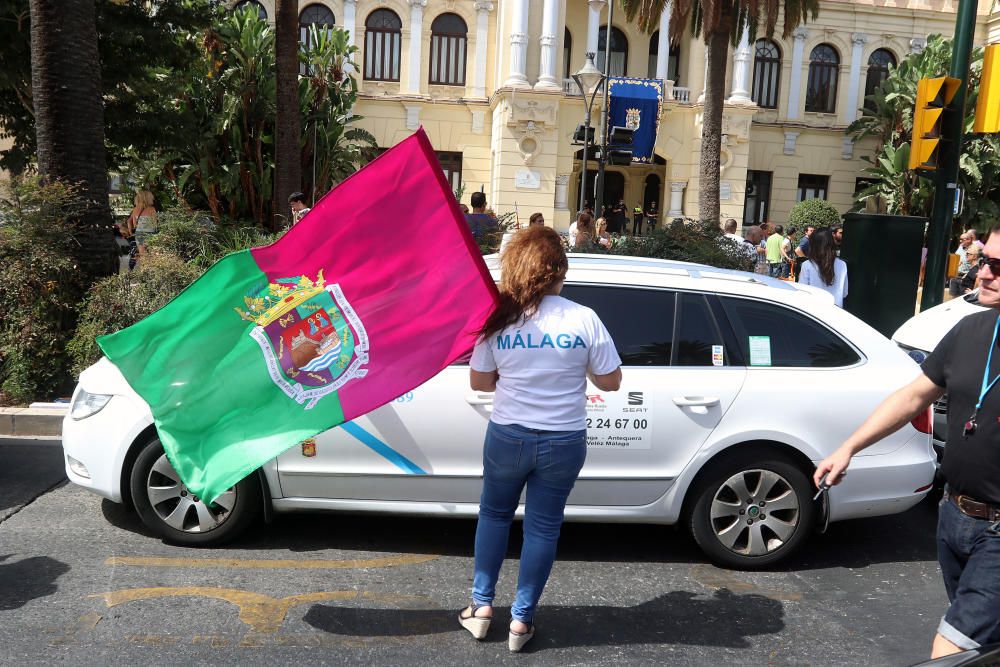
373	293
636	104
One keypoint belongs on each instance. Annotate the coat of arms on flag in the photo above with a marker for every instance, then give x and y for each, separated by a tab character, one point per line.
311	338
632	118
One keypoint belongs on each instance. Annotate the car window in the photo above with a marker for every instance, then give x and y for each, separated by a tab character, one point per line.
790	338
640	321
699	342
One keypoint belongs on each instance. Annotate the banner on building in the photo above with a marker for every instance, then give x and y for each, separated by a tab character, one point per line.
636	104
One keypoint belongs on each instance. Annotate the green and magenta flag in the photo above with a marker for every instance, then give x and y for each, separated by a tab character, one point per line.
374	292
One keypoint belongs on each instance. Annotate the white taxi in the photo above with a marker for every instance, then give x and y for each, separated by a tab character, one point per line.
734	386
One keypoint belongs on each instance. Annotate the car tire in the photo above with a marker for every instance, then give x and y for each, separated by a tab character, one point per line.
750	535
169	510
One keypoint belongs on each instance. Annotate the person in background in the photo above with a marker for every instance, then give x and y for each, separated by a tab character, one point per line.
141	222
637	216
824	269
465	209
751	243
787	254
297	202
481	223
802	250
838	236
772	250
537	432
965	242
585	233
970	280
730	230
651	216
975	238
602	238
536	219
618	219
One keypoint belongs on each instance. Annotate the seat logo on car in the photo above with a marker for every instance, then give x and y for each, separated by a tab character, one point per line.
312	340
635	398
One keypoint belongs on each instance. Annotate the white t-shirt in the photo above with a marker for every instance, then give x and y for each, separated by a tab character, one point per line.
810	276
572	234
543	365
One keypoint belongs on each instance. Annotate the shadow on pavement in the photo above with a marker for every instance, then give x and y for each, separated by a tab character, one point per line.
27	579
27	471
120	516
680	617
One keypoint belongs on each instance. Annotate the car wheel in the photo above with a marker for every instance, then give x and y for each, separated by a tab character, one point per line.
167	507
750	512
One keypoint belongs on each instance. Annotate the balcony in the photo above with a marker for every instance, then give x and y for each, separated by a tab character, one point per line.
570	87
678	94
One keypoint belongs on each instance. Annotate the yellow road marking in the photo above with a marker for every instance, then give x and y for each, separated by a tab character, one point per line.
279	564
263	613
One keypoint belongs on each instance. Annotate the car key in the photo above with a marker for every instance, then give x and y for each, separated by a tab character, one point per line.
825	486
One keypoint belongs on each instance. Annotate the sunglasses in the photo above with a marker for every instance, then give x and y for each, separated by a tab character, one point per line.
994	263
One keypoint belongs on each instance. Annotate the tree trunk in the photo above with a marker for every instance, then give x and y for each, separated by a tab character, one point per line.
287	155
717	56
69	120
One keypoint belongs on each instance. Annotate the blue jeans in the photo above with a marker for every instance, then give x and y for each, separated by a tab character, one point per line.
547	462
969	554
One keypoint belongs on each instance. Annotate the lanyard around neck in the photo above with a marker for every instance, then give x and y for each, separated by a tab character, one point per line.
987	384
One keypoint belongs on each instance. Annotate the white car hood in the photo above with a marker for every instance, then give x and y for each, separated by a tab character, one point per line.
924	330
105	378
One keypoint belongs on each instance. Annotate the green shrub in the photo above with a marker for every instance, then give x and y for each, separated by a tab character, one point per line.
815	212
122	300
686	241
187	235
39	287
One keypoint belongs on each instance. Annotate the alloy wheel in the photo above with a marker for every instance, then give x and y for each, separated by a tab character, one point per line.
755	512
178	508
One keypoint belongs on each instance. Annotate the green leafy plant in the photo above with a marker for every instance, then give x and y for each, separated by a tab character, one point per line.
39	286
685	241
813	212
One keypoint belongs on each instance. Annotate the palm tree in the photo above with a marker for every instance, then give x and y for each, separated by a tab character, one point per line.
288	131
722	23
69	121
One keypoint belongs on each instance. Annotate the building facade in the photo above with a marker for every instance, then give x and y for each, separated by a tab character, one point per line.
489	81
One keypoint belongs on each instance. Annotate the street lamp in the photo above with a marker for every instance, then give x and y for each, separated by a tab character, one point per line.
589	78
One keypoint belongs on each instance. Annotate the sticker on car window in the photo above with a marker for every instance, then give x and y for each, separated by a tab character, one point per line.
760	350
619	420
717	355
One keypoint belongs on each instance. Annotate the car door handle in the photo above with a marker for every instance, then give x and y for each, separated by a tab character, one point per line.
691	401
479	399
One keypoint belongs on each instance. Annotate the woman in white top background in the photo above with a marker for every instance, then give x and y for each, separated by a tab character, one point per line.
536	351
824	269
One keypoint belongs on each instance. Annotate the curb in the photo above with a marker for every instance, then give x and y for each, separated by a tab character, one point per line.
32	422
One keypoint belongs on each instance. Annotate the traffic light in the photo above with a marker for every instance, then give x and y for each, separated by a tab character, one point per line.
618	138
583	134
988	102
934	98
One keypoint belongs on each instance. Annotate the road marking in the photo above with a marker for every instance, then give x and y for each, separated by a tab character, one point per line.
279	564
263	613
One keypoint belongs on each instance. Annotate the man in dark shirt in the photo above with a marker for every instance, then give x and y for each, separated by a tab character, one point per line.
964	364
480	222
617	220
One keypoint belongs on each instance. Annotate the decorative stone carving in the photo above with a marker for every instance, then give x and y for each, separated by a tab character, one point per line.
790	138
918	44
737	127
412	116
847	148
478	121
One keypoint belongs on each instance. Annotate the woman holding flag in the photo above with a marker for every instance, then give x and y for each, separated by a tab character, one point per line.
536	351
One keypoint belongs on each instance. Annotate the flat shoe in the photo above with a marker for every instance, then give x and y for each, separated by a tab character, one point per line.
517	640
477	626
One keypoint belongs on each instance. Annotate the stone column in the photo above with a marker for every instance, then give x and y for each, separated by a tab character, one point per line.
663	45
740	93
416	44
676	199
562	193
483	10
704	82
858	41
549	41
799	35
517	78
593	26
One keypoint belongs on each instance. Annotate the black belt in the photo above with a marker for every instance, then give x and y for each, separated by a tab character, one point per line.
975	508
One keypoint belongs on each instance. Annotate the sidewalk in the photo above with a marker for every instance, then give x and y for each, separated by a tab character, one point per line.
37	420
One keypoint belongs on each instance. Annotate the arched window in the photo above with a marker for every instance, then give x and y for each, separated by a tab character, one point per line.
879	64
383	32
766	74
261	12
824	68
567	52
449	37
314	15
619	50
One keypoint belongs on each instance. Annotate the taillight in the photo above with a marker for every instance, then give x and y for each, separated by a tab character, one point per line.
924	422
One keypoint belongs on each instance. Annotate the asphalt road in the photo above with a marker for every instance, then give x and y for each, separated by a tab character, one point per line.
81	581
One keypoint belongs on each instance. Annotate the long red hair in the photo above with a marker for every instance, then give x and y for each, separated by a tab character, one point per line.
532	263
